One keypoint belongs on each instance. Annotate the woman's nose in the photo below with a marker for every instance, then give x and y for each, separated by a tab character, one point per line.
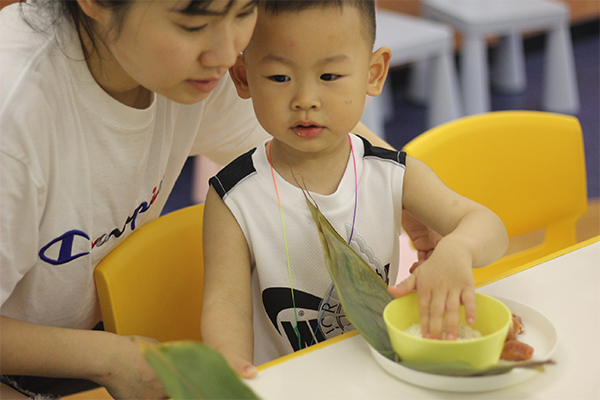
223	50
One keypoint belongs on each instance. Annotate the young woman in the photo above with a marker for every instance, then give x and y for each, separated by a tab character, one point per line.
101	104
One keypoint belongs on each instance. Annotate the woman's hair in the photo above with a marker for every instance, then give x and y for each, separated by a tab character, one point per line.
58	9
55	10
366	9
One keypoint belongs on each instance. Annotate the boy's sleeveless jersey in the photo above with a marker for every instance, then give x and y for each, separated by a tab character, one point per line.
246	186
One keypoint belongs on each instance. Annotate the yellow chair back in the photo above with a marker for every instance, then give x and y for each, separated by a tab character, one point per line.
526	166
151	284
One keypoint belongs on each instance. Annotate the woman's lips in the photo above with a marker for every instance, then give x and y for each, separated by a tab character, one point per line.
203	86
309	132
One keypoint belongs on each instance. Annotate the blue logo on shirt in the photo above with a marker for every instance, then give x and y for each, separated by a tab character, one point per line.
66	240
65	253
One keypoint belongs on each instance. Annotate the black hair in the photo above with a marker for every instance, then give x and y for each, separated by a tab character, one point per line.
366	9
57	9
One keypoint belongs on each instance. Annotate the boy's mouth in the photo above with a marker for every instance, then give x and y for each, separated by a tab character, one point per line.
307	130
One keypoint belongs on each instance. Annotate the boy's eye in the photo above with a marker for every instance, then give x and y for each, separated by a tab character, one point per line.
279	78
329	77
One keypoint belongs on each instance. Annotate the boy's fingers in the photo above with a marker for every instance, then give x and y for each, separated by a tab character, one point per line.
424	299
243	367
468	300
452	316
437	308
249	371
415	265
403	288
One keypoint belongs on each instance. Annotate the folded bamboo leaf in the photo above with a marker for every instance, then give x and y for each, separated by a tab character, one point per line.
191	370
465	369
361	291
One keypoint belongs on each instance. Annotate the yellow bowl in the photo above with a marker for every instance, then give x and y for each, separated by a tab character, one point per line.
492	321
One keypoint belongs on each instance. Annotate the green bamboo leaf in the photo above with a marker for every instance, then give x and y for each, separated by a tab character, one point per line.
465	369
191	370
361	291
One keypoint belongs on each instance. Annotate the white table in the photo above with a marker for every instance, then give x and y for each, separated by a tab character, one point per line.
566	289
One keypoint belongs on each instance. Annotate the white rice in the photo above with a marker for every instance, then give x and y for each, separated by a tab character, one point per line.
464	331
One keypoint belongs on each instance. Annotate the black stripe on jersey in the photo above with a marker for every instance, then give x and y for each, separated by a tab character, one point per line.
386	154
233	173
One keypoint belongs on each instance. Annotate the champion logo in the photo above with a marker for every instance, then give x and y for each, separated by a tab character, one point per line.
61	250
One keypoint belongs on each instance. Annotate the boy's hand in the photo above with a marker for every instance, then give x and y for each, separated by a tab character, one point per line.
423	239
242	367
442	284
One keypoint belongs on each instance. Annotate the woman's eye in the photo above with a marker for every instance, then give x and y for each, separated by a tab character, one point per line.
193	28
248	13
279	78
329	77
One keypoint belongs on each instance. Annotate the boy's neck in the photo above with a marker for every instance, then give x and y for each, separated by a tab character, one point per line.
317	172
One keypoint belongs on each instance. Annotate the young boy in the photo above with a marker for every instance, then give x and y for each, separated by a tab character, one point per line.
308	69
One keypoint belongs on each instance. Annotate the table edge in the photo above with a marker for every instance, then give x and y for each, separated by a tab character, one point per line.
310	349
540	260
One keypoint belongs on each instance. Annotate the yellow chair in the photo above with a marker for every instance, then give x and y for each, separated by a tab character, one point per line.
151	284
526	166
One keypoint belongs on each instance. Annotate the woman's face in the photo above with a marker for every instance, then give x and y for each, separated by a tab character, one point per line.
177	54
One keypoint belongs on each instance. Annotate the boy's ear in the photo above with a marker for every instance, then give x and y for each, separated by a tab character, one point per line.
378	70
239	77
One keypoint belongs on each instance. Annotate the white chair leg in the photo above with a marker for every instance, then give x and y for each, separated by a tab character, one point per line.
508	68
418	87
561	93
474	75
444	101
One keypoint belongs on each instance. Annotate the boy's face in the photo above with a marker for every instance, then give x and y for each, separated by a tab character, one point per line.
307	73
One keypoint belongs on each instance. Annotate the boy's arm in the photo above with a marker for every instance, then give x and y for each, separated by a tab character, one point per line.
423	239
473	237
227	297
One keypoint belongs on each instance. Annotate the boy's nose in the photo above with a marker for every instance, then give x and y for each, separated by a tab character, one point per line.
306	99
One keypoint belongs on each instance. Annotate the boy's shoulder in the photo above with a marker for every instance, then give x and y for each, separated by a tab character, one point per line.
371	151
233	173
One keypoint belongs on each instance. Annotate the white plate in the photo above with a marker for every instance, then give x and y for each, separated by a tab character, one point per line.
539	333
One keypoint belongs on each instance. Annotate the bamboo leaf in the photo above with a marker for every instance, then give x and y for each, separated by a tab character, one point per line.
361	291
464	369
191	370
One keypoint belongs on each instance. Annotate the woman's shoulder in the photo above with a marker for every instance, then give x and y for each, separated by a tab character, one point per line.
35	51
29	58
